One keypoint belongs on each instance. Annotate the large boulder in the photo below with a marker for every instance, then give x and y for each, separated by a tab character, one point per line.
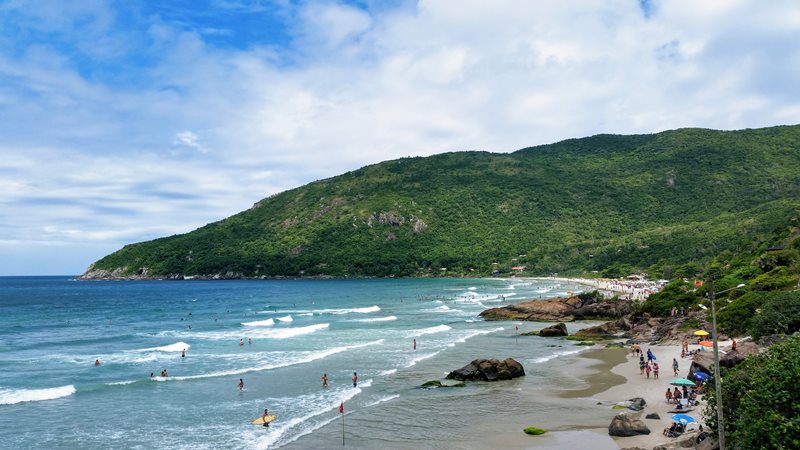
743	350
558	329
626	425
488	370
559	309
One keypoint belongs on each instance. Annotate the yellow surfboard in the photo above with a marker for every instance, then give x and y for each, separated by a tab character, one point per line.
264	420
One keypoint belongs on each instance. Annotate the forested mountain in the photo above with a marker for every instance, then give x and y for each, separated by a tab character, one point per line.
606	203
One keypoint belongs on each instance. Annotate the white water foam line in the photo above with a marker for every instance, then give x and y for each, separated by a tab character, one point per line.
176	347
14	396
557	354
382	400
285	319
429	330
377	319
260	323
302	358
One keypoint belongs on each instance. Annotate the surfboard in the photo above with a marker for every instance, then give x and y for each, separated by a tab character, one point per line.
262	421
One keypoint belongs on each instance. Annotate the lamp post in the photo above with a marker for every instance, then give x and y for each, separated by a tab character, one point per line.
717	385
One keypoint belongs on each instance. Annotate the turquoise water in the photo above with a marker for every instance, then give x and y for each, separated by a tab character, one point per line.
52	329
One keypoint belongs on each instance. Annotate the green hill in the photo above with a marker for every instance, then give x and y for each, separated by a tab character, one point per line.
607	203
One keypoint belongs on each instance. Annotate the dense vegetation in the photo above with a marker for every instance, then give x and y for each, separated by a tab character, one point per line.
768	271
606	203
760	400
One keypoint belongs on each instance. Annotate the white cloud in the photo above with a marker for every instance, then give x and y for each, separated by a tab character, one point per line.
108	163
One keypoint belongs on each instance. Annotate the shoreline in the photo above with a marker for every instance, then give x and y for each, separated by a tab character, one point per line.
612	380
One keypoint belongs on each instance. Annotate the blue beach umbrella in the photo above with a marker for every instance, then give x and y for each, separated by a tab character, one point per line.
681	382
683	418
702	376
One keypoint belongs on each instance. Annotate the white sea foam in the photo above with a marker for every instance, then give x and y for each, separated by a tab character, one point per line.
259	323
319	406
285	319
478	333
414	361
473	288
542	291
557	355
377	319
368	309
176	347
306	314
253	332
442	309
14	396
382	400
388	372
275	363
121	383
429	330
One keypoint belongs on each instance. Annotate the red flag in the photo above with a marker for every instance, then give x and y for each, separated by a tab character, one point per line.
341	408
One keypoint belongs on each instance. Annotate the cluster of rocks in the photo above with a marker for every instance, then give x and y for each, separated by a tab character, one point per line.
488	370
560	309
556	330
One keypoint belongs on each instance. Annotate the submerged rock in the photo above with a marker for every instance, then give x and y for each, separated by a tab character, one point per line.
534	431
488	370
558	329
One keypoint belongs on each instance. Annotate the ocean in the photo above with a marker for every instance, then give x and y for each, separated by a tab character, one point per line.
279	337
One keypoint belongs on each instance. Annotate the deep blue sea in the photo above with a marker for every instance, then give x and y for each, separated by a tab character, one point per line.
52	329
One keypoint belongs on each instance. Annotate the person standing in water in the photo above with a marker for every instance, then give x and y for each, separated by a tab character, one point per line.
183	353
264	417
324	380
415	344
241	384
355	379
96	362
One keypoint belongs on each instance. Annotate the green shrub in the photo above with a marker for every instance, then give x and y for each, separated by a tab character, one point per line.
779	315
736	318
759	400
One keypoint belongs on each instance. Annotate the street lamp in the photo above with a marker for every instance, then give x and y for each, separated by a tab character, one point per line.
717	385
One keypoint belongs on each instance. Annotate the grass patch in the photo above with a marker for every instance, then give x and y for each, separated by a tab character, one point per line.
585	343
691	324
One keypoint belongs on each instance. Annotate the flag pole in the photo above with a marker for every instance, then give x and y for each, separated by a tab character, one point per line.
342	429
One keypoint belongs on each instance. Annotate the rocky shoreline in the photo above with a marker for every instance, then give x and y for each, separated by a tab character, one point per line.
579	307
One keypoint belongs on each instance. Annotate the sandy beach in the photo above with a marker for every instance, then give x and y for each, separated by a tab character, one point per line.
633	384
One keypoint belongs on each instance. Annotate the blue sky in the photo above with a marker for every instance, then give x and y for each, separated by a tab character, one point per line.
127	121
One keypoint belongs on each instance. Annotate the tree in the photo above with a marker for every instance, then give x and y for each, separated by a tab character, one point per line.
759	400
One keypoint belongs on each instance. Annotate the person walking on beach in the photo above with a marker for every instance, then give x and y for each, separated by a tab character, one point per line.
676	395
641	364
668	395
650	356
355	379
675	366
324	380
647	370
241	384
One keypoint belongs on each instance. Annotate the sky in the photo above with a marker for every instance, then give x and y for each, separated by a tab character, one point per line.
127	121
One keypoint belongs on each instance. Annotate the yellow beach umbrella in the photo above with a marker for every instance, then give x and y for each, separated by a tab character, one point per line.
701	333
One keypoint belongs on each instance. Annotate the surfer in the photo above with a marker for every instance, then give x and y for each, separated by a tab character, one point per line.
241	384
264	417
324	380
355	379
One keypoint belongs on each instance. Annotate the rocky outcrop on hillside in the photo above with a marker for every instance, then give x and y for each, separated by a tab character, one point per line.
560	310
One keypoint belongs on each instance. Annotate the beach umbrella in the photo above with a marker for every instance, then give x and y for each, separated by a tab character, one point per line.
701	333
706	343
681	382
683	418
702	376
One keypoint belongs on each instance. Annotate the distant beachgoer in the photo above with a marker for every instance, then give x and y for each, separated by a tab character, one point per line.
685	392
96	362
324	380
676	394
641	365
650	356
675	366
183	353
241	341
655	370
355	379
415	344
683	354
152	374
241	384
733	345
250	341
647	370
668	395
